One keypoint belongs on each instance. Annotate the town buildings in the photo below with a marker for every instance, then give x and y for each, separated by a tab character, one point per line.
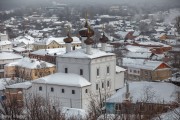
6	58
52	42
148	70
81	73
143	98
5	44
29	69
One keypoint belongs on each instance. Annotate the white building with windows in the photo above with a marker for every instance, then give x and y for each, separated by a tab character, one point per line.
95	68
99	68
5	58
70	90
5	44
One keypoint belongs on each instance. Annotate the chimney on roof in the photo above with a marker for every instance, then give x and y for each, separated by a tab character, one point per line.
68	41
103	41
127	91
89	41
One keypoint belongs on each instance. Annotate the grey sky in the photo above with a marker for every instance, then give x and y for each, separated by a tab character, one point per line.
144	3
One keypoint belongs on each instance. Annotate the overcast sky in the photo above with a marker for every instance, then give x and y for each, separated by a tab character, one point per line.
15	3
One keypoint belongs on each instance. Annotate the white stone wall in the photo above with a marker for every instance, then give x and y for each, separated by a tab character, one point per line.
66	99
6	47
104	77
3	37
119	80
89	67
74	65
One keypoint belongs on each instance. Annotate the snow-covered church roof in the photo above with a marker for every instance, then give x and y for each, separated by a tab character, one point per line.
81	53
65	79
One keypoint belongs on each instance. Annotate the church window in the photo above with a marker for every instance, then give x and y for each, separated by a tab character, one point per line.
81	71
97	71
66	70
40	88
62	90
107	69
108	84
73	91
102	85
52	89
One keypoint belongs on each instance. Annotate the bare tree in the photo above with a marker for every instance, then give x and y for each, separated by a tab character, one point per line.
177	25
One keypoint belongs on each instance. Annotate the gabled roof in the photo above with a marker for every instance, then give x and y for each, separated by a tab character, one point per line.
81	53
9	56
31	63
23	85
59	40
144	64
162	92
63	79
5	42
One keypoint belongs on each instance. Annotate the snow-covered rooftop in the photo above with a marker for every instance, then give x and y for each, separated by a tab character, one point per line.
142	37
81	53
31	63
141	63
4	82
5	42
170	115
7	56
137	48
63	79
74	112
23	39
57	51
21	49
23	85
59	40
120	69
159	91
153	43
144	55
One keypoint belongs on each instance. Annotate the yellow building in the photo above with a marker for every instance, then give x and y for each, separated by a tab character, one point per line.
29	69
53	42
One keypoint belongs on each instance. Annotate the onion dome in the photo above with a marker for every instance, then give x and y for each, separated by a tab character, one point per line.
86	31
104	39
89	41
68	39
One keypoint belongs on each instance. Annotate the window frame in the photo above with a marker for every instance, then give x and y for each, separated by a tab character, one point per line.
73	92
52	89
62	90
81	71
40	88
97	72
66	70
108	70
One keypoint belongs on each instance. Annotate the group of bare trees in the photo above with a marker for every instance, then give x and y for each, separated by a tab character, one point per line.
33	108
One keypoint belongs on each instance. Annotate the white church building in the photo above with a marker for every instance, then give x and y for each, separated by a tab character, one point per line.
81	72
